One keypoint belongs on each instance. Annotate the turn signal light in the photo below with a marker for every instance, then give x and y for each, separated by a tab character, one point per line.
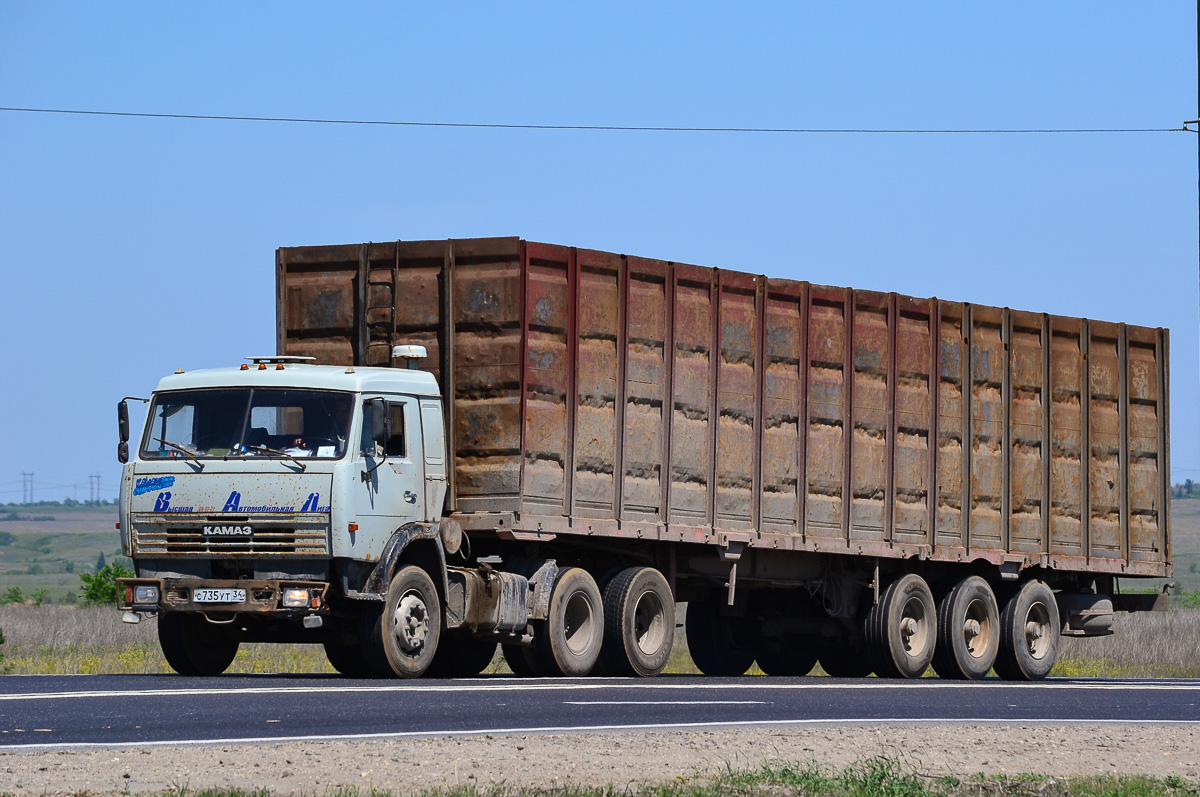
352	527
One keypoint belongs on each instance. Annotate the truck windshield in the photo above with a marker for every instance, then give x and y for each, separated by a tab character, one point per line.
228	423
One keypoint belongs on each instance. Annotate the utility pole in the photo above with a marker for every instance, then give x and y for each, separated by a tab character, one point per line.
27	485
94	487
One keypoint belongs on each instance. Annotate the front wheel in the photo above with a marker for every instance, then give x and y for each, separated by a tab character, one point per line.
194	646
402	638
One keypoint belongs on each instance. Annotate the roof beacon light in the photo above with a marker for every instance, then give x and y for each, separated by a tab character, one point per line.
410	354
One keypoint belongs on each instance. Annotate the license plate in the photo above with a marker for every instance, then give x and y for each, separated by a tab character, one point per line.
219	596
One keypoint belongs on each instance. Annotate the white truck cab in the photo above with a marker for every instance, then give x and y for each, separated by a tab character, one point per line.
254	488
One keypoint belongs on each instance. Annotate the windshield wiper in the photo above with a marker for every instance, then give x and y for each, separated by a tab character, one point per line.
303	467
183	449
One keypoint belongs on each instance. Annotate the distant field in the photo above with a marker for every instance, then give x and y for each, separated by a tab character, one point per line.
50	554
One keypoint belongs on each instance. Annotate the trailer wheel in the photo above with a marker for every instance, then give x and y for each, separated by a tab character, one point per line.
1029	633
839	658
401	637
639	623
901	629
521	661
718	645
568	641
194	646
461	657
968	630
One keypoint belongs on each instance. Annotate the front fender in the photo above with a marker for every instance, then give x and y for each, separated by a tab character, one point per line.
376	585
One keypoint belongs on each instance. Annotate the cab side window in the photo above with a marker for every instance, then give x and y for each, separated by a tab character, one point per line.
397	443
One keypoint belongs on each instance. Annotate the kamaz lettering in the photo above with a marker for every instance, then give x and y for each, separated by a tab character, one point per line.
228	531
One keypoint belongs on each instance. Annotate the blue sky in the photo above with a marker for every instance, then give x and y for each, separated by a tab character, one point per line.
131	247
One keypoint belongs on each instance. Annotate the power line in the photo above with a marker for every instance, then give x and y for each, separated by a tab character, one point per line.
609	128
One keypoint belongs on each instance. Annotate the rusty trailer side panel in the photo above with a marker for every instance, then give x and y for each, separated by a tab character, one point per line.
611	395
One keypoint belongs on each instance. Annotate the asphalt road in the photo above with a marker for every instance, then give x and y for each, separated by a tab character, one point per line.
72	711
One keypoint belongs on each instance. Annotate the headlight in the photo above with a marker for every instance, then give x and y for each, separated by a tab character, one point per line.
145	594
295	598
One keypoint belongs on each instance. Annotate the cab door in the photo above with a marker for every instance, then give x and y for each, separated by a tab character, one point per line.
391	485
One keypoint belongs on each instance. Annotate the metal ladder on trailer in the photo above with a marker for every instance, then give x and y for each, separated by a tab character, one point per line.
377	328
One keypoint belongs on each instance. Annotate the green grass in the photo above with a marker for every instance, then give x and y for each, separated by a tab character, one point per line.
873	777
49	554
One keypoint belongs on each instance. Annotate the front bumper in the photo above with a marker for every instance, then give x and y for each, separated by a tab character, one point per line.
263	596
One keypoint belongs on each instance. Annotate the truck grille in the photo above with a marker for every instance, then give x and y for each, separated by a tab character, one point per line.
273	536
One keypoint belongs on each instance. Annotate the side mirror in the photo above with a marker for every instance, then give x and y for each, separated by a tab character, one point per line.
381	430
381	422
122	452
123	423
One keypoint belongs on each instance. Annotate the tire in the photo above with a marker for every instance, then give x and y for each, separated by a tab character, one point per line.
1029	633
719	646
901	629
348	660
401	637
639	623
520	660
839	658
194	646
568	642
968	631
461	657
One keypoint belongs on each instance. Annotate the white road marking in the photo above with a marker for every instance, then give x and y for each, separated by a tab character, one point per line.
658	726
665	702
601	684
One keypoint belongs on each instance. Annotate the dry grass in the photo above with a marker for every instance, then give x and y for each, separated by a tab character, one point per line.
63	640
66	640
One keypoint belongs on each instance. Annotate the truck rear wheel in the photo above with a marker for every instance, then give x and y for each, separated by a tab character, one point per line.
901	629
968	630
568	641
639	623
194	646
719	645
1029	633
461	657
401	637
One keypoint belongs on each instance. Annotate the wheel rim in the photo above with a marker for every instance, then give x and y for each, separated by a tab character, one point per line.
411	622
977	629
1037	631
914	627
578	621
649	626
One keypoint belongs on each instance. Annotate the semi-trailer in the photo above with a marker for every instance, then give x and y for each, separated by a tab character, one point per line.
471	442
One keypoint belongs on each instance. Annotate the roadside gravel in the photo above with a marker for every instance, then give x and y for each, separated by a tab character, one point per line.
407	765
